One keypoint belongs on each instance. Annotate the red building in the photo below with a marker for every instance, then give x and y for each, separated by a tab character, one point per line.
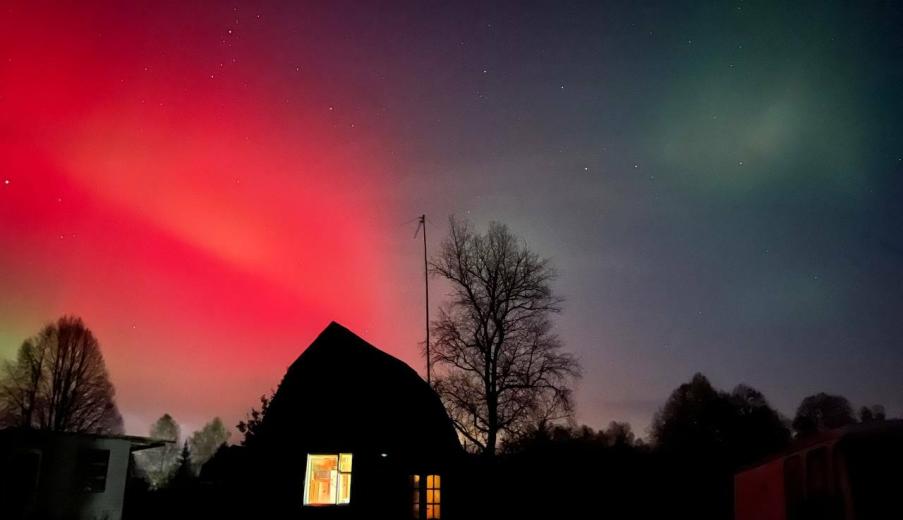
851	473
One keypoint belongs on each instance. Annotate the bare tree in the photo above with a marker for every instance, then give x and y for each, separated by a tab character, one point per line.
59	382
500	368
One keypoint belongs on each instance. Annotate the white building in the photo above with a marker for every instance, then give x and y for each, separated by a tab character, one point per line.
56	475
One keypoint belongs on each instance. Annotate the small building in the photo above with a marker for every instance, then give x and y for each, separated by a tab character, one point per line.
60	475
353	432
850	473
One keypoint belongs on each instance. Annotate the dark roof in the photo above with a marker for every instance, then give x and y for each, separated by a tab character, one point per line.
138	443
857	431
854	432
343	393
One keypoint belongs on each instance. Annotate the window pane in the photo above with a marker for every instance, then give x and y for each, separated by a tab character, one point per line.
345	462
27	469
344	488
93	469
433	496
415	496
320	483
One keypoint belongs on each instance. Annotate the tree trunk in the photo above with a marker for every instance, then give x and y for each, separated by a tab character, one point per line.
492	423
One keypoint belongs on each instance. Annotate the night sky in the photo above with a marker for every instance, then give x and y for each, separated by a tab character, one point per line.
718	184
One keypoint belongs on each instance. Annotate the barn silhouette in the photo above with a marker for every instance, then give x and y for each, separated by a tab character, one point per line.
353	432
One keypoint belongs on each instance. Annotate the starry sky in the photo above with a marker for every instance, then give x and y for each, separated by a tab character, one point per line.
208	185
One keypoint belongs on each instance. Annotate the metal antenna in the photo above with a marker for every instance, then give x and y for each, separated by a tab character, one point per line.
421	223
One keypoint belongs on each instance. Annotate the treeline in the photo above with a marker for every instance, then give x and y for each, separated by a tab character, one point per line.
58	381
165	482
159	467
698	440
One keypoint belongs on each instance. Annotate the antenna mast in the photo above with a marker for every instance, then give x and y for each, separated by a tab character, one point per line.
426	284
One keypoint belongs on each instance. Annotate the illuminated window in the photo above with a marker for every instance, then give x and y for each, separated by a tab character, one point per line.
433	498
327	480
415	484
427	500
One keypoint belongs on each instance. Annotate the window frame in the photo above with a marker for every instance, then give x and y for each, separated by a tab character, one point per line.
341	472
415	492
427	496
93	478
433	501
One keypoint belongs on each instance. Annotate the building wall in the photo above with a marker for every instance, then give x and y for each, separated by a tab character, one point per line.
759	492
108	504
59	494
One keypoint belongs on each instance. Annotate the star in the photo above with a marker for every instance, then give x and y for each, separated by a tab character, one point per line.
6	182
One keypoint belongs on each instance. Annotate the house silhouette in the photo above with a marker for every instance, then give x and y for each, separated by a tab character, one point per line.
353	432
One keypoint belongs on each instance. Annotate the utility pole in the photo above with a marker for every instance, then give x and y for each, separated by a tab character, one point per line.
426	285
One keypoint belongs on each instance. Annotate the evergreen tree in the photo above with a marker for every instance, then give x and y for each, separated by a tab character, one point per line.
184	476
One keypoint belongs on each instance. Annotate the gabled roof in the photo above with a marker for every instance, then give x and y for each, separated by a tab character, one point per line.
343	393
337	343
